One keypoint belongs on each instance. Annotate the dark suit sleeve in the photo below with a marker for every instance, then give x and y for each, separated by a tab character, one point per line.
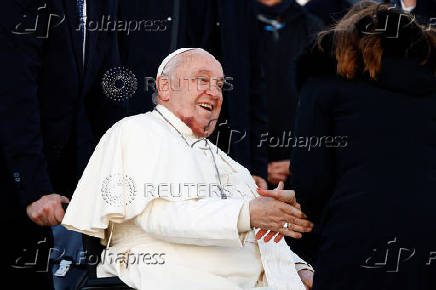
20	133
312	156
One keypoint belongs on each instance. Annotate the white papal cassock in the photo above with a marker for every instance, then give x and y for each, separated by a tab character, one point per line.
153	197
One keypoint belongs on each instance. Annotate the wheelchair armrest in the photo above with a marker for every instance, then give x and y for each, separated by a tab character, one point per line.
109	283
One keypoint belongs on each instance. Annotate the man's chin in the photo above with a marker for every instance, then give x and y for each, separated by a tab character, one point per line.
203	132
201	128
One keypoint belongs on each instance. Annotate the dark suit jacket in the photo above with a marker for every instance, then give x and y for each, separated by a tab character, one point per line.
52	108
369	173
277	53
329	11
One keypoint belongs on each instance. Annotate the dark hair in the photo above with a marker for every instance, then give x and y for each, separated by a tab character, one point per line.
369	31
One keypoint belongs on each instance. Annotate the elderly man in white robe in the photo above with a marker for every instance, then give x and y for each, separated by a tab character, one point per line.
173	210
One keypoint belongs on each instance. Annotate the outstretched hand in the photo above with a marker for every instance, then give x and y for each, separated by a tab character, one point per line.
298	222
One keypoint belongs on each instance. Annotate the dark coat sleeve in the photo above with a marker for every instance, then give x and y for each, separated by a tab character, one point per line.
20	133
259	124
312	168
312	164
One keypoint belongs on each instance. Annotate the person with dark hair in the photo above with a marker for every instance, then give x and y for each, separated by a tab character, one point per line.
365	169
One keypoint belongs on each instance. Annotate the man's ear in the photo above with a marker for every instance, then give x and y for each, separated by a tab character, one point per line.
163	87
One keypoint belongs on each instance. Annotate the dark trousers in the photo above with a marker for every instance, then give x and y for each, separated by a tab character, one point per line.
27	251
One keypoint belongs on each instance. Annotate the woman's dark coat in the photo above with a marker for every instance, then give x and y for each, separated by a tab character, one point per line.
368	179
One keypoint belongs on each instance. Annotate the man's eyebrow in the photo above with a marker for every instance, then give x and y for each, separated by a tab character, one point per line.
205	71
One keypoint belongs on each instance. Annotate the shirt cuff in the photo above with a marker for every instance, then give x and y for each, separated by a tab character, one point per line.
303	266
244	218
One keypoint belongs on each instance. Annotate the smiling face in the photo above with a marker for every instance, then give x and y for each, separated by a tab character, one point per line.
193	90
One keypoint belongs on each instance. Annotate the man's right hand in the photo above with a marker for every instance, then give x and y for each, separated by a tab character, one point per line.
48	210
270	214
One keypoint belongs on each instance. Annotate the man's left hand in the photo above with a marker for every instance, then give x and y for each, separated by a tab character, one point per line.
306	277
260	182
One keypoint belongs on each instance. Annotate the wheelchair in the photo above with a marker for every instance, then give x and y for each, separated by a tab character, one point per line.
93	248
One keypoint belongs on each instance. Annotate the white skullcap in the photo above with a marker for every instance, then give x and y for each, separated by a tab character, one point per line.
169	58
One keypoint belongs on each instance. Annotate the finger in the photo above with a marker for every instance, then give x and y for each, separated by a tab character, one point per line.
280	186
297	205
42	220
287	196
301	229
37	220
302	222
291	233
59	214
293	211
47	214
273	180
279	177
64	199
51	219
36	217
278	238
269	236
260	234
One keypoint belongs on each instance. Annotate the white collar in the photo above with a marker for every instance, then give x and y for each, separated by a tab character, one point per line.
407	9
176	122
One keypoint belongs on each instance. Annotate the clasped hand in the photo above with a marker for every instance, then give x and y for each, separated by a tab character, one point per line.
273	209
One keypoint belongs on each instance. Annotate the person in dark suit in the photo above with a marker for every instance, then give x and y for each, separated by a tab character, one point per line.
52	111
329	11
424	10
283	31
364	166
221	27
